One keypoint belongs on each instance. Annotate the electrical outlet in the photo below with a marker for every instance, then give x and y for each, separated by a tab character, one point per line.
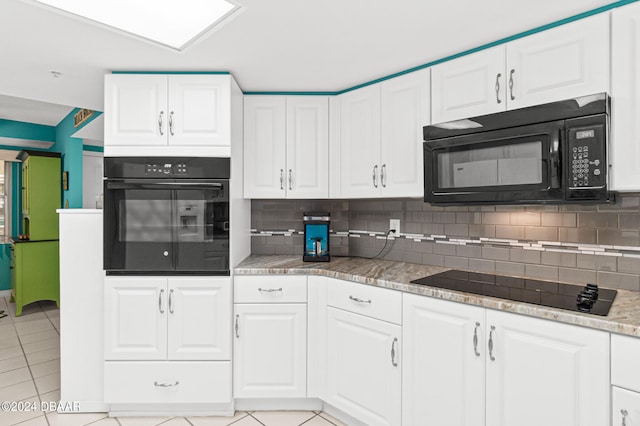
394	224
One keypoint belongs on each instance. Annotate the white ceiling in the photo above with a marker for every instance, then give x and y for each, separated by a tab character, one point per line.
275	45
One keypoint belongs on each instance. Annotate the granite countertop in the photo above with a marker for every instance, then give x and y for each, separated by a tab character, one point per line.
623	318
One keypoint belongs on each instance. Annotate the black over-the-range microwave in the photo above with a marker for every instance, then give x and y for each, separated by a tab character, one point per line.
551	153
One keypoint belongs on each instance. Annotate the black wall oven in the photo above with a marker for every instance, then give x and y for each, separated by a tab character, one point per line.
552	153
166	216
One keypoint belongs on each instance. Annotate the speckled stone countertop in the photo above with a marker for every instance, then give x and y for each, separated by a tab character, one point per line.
624	317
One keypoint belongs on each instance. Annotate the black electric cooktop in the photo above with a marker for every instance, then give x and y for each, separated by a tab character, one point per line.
588	299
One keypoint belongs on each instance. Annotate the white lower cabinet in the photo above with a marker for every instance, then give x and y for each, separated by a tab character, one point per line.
522	371
270	344
443	363
167	340
270	351
626	407
364	371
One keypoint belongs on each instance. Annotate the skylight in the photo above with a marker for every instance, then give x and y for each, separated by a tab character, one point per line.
173	23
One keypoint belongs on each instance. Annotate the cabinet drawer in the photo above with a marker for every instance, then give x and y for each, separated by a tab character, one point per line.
270	289
625	356
374	302
167	382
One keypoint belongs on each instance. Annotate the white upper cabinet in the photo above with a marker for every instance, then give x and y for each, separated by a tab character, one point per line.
561	63
161	114
286	147
405	110
625	98
264	146
360	142
381	138
469	86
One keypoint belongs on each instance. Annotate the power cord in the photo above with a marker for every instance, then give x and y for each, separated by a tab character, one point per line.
386	241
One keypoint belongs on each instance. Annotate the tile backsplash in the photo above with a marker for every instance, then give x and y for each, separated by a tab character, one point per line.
570	243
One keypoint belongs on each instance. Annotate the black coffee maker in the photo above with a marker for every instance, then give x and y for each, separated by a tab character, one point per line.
316	236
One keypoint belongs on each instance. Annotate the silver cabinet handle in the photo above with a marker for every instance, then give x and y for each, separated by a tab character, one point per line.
498	88
160	301
237	334
160	122
393	352
290	180
624	413
282	179
166	385
171	301
355	299
475	339
513	98
491	344
171	123
269	290
383	177
375	176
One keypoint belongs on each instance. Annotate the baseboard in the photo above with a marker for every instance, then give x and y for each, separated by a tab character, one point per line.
5	293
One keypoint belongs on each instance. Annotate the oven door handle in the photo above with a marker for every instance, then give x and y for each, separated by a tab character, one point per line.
164	185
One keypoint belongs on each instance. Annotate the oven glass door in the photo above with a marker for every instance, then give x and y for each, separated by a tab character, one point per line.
166	227
501	166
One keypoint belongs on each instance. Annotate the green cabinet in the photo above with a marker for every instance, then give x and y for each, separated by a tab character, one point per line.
41	194
35	270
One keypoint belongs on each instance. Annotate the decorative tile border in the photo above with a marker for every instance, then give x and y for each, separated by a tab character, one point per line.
551	246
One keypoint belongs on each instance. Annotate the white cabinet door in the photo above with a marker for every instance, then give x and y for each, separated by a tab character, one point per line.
360	143
561	63
625	98
264	147
443	363
307	155
405	110
469	86
363	367
198	112
135	318
544	373
626	407
135	110
199	318
270	351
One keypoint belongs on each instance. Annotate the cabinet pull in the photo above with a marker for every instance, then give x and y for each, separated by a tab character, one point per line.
171	123
383	177
171	301
513	98
491	344
393	352
160	122
290	180
355	299
237	334
269	290
375	176
160	301
166	385
624	413
282	179
475	339
498	88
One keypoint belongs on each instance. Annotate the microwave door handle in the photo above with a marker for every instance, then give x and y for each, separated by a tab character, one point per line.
554	157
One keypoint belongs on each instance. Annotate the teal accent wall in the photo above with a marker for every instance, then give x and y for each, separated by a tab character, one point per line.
21	130
93	148
5	264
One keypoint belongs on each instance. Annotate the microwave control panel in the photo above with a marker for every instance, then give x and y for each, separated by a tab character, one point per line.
165	169
587	157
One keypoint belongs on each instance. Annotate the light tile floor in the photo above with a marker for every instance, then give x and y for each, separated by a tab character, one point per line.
30	372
